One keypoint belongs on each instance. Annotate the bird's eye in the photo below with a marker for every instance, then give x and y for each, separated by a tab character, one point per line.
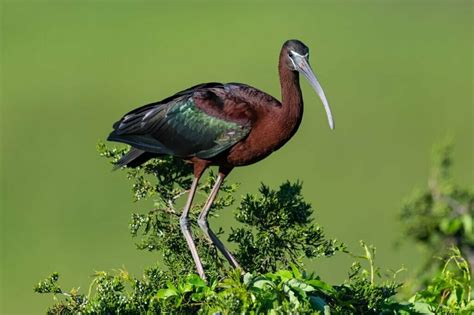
290	54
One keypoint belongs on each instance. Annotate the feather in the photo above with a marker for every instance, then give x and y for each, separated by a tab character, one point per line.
189	124
133	158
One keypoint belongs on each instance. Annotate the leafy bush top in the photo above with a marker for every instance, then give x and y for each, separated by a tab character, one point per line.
276	232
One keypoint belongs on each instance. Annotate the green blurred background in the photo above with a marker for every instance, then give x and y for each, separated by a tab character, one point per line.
397	74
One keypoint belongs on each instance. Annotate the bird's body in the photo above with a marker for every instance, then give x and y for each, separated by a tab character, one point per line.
226	125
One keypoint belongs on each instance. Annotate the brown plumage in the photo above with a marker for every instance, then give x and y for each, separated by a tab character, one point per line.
225	125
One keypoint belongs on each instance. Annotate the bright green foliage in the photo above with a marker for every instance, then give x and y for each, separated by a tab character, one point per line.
442	215
278	292
277	230
361	293
449	292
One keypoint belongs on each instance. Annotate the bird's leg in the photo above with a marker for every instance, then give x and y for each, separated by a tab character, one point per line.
202	221
184	222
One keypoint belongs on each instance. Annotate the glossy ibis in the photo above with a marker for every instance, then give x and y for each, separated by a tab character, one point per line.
225	125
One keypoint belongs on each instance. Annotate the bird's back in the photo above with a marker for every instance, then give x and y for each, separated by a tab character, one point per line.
202	121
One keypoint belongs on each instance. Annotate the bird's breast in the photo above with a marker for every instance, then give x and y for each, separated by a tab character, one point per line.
265	137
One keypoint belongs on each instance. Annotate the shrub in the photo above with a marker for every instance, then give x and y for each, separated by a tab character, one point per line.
276	232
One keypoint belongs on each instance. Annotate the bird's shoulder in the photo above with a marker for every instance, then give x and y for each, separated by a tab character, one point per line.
250	95
233	102
180	97
236	102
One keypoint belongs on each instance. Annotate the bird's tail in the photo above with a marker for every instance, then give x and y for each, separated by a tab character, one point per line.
133	158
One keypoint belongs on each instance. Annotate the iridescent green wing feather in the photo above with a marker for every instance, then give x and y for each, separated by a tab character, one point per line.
180	128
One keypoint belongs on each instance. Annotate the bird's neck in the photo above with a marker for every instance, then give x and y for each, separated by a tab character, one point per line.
291	99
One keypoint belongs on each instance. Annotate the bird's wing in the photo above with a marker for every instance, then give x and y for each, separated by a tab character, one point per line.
197	122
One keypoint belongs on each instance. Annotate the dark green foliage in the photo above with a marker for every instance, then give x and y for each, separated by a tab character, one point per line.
73	302
166	181
50	285
442	215
276	233
277	230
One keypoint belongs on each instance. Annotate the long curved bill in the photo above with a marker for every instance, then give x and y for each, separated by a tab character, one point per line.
305	68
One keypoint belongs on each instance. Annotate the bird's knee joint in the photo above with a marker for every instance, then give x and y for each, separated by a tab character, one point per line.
202	222
184	222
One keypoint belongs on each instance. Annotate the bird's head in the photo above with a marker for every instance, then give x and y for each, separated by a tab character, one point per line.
295	56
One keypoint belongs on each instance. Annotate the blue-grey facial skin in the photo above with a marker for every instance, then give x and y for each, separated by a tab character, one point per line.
301	64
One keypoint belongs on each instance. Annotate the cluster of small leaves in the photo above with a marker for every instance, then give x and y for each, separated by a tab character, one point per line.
449	292
276	233
50	285
73	301
110	294
442	215
172	175
166	181
281	292
361	294
277	230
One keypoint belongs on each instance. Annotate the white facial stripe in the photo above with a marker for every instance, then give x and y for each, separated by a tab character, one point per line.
294	64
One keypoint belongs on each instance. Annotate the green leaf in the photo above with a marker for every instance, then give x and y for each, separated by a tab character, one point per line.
298	284
296	272
293	298
285	275
423	308
196	281
198	296
450	226
468	224
262	283
186	287
248	277
166	293
318	284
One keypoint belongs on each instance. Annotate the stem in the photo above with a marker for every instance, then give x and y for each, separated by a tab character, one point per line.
370	258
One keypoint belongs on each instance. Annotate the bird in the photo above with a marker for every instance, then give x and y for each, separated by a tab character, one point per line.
226	125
